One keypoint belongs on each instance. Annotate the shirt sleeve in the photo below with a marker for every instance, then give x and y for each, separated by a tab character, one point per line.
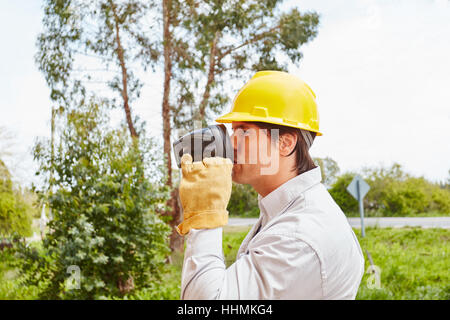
275	266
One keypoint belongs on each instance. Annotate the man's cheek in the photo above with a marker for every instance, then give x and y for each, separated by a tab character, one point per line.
240	157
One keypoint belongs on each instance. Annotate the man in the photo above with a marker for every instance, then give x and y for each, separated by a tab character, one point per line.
302	246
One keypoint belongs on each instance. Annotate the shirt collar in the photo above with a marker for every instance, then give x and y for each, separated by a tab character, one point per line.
279	198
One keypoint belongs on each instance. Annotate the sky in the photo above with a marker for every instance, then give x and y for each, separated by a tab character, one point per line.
380	71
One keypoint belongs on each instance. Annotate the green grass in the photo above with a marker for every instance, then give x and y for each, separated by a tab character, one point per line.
414	264
170	286
232	239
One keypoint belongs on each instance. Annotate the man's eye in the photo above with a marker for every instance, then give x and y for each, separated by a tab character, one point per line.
242	132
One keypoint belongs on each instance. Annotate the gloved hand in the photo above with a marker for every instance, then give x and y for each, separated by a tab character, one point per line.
205	190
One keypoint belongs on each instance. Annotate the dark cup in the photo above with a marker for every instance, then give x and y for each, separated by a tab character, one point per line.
212	141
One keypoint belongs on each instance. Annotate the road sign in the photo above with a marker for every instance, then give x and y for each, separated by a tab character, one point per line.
353	187
358	188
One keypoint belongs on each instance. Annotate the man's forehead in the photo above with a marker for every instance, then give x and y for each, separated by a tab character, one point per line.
242	125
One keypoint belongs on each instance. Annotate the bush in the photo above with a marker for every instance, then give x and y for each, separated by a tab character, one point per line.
440	200
392	193
243	201
329	170
103	205
15	213
339	192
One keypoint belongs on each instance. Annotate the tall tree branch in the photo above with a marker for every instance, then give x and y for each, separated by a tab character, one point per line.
120	55
167	76
211	74
250	41
176	242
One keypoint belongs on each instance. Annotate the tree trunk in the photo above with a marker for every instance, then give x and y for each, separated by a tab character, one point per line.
176	241
120	55
211	73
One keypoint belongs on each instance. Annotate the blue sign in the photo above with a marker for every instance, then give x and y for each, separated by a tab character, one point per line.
358	188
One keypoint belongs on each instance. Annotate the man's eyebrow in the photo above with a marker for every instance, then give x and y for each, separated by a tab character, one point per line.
241	126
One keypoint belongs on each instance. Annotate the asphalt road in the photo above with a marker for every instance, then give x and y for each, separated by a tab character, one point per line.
426	222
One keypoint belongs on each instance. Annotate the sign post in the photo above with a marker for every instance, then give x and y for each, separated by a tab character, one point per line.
358	188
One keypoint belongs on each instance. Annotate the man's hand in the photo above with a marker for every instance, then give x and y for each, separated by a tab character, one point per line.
205	190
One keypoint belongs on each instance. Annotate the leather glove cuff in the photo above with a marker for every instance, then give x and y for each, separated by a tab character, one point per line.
203	220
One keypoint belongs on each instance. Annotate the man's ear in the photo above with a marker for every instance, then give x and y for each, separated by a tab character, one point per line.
288	141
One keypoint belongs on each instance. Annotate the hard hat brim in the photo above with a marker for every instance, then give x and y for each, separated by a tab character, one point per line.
247	117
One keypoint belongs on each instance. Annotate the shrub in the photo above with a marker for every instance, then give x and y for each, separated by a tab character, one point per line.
103	205
329	170
440	200
392	193
343	199
243	201
15	213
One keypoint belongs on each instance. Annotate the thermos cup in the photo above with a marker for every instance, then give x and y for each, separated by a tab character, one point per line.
212	141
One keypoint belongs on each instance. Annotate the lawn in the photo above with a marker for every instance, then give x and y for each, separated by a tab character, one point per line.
413	263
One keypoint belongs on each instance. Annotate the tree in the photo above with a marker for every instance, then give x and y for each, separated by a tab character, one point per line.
204	44
393	192
15	213
89	48
222	40
329	170
342	197
6	143
13	159
104	205
108	34
170	15
16	203
208	43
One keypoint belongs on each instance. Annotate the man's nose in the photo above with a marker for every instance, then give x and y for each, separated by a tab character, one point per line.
233	139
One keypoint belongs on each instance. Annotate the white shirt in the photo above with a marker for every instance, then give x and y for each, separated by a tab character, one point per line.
305	249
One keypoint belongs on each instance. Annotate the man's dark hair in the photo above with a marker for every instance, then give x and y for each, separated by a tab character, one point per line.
303	159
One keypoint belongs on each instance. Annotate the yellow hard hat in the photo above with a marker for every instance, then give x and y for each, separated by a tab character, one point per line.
275	97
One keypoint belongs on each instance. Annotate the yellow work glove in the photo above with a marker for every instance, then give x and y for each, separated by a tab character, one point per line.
205	190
